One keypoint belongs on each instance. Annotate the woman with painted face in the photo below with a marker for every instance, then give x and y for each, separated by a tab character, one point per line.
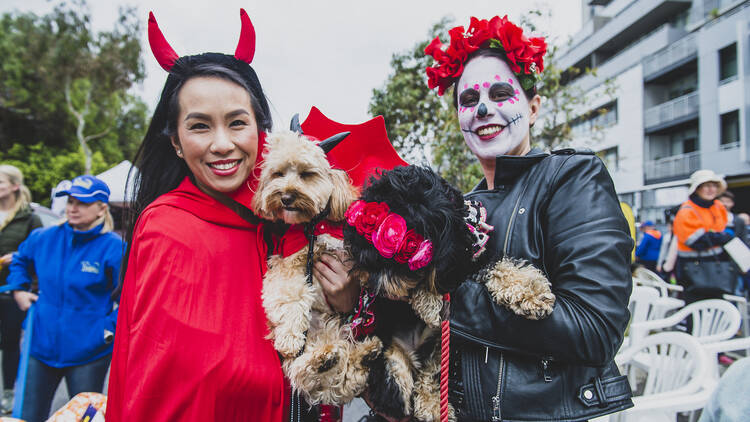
16	223
191	342
77	265
557	211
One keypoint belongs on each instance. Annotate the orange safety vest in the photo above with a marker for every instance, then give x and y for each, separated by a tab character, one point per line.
693	221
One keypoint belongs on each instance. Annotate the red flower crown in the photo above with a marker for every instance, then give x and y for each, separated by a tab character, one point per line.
388	233
525	55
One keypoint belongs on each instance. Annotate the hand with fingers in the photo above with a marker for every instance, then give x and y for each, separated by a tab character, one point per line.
24	299
341	291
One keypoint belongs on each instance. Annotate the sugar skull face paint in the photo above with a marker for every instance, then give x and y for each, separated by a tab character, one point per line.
493	111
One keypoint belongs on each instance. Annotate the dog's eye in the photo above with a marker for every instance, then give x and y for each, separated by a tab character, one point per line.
307	174
277	174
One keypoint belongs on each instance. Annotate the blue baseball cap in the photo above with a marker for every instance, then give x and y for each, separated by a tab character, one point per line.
647	223
87	189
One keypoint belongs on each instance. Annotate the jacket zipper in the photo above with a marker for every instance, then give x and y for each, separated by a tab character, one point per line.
496	412
497	415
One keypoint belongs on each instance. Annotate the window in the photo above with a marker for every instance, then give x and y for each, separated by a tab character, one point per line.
603	117
730	128
610	158
728	63
684	141
682	86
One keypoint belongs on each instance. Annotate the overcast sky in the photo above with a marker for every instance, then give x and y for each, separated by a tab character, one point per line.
327	53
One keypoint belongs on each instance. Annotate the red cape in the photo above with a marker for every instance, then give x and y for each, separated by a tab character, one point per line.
190	342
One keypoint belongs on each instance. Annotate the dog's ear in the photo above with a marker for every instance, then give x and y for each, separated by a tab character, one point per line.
342	196
257	203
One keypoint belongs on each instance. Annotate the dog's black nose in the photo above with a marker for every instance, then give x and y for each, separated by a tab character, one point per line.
287	199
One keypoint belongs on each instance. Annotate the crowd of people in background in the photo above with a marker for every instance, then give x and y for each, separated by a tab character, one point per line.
695	234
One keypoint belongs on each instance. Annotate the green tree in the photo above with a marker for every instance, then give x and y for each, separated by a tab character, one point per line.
424	127
421	125
64	91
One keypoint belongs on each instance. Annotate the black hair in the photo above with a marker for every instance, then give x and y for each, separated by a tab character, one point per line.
156	168
490	52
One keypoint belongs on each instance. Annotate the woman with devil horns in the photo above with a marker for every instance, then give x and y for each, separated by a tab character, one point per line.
191	343
557	211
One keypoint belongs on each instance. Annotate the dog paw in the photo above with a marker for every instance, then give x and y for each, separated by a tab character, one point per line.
535	307
325	358
369	350
522	288
289	346
327	364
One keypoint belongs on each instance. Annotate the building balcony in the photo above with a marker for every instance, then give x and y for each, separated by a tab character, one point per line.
710	9
671	168
627	21
668	59
671	113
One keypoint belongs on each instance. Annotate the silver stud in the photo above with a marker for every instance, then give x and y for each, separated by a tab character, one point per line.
522	210
588	395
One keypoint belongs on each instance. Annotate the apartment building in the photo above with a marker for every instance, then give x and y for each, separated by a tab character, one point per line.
681	73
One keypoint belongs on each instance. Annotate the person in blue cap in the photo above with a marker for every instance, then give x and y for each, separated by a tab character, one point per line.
77	264
647	251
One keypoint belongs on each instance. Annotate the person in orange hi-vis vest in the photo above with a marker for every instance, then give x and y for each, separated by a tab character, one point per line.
700	227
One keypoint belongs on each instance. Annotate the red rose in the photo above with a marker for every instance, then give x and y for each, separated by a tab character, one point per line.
409	246
354	212
434	49
387	238
372	215
422	257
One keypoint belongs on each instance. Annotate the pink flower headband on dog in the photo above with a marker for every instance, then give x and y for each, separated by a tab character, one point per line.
388	233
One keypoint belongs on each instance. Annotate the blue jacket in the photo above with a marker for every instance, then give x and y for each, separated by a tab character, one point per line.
77	272
648	249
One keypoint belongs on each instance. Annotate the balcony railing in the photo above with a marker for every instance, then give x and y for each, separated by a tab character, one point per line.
672	111
671	168
706	9
675	53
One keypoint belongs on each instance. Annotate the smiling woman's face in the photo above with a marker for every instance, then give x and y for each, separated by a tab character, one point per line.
493	111
217	135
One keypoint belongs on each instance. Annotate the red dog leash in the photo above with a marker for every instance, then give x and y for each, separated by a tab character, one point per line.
445	350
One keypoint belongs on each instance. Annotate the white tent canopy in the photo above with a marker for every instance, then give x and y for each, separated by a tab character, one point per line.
117	180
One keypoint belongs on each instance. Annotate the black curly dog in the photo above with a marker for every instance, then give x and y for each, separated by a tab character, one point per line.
435	210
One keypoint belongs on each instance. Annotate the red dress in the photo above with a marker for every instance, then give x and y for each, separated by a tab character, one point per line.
190	342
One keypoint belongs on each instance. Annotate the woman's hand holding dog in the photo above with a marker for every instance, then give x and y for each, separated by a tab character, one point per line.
333	273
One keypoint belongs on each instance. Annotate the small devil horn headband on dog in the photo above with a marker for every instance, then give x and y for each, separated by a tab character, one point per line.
328	144
294	125
166	56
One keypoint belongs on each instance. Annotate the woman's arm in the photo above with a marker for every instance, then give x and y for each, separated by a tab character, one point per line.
21	262
587	256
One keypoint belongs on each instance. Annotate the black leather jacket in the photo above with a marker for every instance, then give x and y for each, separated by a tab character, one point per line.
559	212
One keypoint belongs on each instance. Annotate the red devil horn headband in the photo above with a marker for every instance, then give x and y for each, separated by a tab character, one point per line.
166	55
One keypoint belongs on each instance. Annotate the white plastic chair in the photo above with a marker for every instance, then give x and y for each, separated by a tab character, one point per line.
741	304
714	320
677	378
646	277
647	303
